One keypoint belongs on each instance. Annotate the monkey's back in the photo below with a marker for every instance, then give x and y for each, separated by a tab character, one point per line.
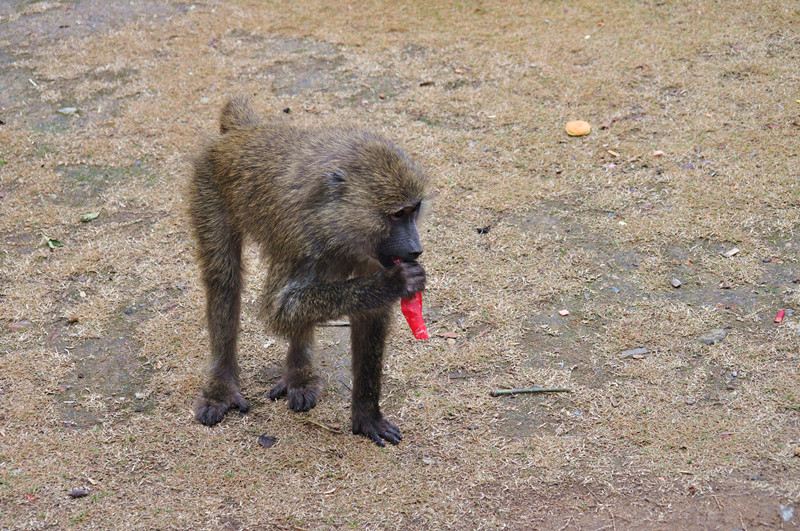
271	181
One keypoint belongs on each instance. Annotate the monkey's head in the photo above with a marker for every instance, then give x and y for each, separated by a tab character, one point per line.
377	195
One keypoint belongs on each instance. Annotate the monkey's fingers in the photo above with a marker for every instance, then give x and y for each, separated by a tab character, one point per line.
302	398
210	411
378	431
414	277
376	439
279	390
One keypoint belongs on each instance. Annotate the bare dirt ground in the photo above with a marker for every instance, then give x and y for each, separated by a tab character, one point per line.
102	339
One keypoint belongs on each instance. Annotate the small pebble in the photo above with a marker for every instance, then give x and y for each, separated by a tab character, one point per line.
67	111
563	313
635	353
676	283
451	341
78	493
730	252
787	512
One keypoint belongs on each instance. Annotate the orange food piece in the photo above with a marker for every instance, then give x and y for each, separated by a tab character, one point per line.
578	128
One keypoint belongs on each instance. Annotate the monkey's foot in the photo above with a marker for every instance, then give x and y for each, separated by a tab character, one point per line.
378	429
301	397
210	411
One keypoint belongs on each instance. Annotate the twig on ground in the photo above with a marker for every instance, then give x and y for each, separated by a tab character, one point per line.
501	392
318	425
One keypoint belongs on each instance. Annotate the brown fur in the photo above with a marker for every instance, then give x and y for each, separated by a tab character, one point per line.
318	203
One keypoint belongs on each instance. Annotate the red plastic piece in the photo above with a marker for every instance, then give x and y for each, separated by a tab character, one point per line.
779	317
412	311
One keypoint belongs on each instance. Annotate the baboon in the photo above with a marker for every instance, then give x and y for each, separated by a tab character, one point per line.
331	209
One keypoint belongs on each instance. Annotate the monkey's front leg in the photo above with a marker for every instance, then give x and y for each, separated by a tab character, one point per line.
368	337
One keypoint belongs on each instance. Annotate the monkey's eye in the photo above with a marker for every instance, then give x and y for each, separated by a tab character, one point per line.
397	215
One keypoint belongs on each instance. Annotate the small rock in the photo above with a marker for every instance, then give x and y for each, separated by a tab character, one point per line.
635	353
797	451
451	341
713	336
787	512
67	111
658	153
731	252
563	313
78	493
676	283
72	319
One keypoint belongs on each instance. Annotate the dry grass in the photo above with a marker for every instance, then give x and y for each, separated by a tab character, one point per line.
690	436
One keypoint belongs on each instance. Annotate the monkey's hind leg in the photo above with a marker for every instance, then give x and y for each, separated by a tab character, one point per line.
220	254
368	337
299	382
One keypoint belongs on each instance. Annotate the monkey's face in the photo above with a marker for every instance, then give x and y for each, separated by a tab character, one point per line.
403	239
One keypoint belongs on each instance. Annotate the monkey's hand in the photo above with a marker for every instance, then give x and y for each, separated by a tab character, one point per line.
405	279
378	429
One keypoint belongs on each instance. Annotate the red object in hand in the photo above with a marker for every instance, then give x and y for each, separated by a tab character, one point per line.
412	311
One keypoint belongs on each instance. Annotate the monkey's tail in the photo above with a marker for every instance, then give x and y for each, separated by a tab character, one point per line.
237	113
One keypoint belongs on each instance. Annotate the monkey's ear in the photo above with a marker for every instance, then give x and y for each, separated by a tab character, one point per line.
334	178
